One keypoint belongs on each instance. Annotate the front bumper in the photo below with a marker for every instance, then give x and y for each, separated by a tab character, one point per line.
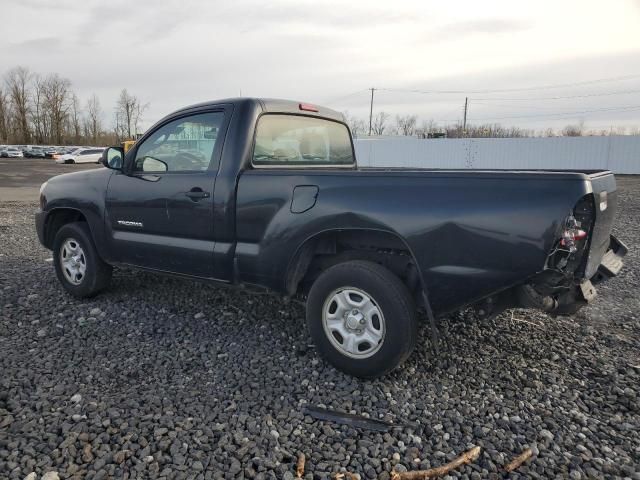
40	219
611	262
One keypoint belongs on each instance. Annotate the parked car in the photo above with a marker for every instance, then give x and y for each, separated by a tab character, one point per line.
49	152
81	155
275	200
11	152
34	152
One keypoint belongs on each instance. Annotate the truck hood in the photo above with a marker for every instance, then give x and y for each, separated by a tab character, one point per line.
74	188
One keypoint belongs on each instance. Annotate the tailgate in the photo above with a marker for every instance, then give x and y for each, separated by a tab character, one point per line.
604	197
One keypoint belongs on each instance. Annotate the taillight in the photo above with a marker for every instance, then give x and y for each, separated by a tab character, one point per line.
572	233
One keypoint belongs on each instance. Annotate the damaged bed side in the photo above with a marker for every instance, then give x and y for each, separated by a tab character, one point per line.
584	253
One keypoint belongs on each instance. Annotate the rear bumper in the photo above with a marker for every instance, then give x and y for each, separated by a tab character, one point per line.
611	262
610	265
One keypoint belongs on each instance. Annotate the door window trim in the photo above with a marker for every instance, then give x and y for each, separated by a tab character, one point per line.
216	155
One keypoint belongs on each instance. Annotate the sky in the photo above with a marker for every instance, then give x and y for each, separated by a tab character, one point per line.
513	59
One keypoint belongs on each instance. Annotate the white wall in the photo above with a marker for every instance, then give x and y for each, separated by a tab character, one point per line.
620	154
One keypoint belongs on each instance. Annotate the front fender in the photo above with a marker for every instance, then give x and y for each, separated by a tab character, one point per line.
82	192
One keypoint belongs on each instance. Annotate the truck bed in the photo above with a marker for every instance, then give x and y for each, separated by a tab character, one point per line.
472	232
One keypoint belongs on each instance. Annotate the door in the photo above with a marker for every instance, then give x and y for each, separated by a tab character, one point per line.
160	209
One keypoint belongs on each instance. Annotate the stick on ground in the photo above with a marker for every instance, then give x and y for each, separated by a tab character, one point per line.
343	476
467	457
519	460
300	466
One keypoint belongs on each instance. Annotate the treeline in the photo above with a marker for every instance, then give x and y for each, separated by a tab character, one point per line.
44	110
408	125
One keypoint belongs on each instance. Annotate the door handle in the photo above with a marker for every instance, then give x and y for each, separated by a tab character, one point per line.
196	194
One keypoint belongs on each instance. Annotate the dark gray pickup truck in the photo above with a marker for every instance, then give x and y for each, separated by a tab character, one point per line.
267	193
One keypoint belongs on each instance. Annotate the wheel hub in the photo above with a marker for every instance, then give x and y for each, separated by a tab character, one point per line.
355	319
353	322
73	261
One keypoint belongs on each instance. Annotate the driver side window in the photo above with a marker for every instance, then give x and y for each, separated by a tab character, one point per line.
183	145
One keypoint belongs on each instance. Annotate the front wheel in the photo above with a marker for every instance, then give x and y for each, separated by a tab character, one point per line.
79	269
362	318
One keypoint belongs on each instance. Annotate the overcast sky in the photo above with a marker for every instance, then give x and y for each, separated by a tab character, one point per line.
172	54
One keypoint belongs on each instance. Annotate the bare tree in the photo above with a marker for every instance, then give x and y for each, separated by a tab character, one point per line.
93	120
406	125
356	125
573	130
128	113
38	116
488	130
454	131
379	124
17	83
75	118
4	116
426	128
57	101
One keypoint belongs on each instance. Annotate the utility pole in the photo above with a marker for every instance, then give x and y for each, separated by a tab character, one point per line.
371	111
464	121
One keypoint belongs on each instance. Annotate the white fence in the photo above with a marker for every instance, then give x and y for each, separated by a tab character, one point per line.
620	154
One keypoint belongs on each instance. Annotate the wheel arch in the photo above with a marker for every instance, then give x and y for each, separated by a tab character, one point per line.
332	246
57	218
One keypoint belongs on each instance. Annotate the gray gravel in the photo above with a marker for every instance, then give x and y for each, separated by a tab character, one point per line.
164	378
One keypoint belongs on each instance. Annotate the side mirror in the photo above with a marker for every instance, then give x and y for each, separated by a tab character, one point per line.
112	158
150	164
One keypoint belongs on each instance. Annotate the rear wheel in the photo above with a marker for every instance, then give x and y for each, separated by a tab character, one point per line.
79	269
362	318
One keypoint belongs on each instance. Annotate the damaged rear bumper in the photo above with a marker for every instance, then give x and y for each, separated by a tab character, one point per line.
611	262
609	267
558	294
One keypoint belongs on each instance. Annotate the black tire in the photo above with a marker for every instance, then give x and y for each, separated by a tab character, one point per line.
393	300
97	273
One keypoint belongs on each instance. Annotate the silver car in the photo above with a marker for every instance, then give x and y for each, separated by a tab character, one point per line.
11	152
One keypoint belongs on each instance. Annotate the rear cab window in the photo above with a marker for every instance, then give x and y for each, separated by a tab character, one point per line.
300	141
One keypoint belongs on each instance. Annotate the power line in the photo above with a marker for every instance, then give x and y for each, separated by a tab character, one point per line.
543	116
586	95
518	106
522	89
582	112
336	99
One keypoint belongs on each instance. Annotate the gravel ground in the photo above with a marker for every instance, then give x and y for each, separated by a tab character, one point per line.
165	378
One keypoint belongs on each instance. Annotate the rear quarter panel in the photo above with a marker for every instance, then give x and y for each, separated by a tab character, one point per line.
471	234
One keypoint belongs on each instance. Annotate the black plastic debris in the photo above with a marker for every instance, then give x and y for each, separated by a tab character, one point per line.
356	421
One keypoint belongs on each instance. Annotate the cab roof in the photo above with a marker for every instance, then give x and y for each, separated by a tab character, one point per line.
274	105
